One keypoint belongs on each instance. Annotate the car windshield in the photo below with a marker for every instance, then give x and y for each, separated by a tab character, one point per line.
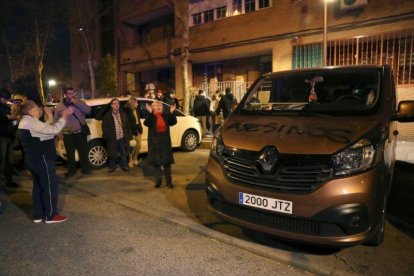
329	92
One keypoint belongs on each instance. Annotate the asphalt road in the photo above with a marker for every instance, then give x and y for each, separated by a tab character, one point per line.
120	225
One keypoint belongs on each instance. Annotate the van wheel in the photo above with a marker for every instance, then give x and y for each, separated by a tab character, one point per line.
189	142
97	154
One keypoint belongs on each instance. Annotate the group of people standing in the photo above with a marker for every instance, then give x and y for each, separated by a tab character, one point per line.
122	131
208	110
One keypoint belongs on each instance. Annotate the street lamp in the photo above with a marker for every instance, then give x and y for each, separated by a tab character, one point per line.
325	30
51	83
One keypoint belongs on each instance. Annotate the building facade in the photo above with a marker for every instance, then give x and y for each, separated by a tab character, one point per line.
235	41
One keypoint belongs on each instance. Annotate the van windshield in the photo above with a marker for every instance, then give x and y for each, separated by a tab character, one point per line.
330	92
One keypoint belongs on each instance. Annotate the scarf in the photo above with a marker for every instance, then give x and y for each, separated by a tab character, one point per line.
161	127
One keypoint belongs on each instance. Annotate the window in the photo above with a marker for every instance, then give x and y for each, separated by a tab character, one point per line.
249	6
393	48
263	4
237	7
208	16
197	19
221	12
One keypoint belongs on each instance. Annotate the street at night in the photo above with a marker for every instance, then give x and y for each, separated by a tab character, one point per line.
207	137
121	225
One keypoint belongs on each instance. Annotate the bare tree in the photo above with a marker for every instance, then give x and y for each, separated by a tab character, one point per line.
86	16
84	21
181	11
13	46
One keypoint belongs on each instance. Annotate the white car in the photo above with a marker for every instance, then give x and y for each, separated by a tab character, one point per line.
405	151
186	134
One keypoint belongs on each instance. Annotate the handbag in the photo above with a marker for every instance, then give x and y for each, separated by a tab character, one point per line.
132	143
85	130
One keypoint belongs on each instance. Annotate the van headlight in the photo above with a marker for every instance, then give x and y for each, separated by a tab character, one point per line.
217	146
357	158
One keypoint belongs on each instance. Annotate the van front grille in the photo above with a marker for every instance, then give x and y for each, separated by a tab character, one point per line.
291	173
279	222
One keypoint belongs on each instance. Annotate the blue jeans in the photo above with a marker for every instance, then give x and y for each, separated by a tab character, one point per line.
122	152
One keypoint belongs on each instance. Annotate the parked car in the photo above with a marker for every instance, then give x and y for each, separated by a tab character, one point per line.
186	134
308	155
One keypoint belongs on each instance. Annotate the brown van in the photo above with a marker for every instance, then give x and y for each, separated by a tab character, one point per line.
308	155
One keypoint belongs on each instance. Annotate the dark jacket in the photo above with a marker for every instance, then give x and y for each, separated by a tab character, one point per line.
6	126
136	127
201	106
109	133
226	103
159	144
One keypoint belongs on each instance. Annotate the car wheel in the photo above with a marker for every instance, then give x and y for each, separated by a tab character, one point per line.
97	154
189	142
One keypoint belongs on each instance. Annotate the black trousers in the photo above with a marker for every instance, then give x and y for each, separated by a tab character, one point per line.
73	142
167	173
45	186
6	158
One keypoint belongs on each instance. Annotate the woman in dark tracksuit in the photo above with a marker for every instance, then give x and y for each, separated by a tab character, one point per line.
159	141
37	140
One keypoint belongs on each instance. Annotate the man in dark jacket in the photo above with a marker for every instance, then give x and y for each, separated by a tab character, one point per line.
7	134
201	108
117	133
226	104
159	141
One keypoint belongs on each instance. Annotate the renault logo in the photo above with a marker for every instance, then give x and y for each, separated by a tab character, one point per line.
268	159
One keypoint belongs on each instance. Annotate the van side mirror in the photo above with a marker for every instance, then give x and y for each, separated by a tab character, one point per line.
405	112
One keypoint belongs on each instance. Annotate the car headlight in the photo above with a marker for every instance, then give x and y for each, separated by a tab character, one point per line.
357	158
217	146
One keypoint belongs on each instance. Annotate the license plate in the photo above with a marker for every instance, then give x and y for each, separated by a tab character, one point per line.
267	203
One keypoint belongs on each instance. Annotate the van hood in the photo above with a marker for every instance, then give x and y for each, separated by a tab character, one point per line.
295	135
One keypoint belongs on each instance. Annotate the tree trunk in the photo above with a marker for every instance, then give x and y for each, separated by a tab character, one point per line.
184	67
39	83
92	75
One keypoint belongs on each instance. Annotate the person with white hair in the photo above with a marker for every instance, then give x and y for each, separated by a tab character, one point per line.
37	140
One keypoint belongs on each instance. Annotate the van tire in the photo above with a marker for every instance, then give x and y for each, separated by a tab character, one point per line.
97	154
189	141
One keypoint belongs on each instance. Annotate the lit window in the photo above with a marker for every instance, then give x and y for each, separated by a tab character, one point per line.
263	4
208	16
197	19
249	6
237	7
221	12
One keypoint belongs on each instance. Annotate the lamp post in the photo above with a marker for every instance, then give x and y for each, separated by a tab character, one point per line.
51	83
325	30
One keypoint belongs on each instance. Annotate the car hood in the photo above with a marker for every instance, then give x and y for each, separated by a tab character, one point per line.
295	134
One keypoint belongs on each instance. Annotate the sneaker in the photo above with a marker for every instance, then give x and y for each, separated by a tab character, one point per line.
135	163
37	220
56	219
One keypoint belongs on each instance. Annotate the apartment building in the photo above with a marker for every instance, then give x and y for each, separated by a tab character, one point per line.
236	41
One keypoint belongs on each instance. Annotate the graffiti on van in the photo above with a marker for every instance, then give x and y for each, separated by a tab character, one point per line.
339	135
